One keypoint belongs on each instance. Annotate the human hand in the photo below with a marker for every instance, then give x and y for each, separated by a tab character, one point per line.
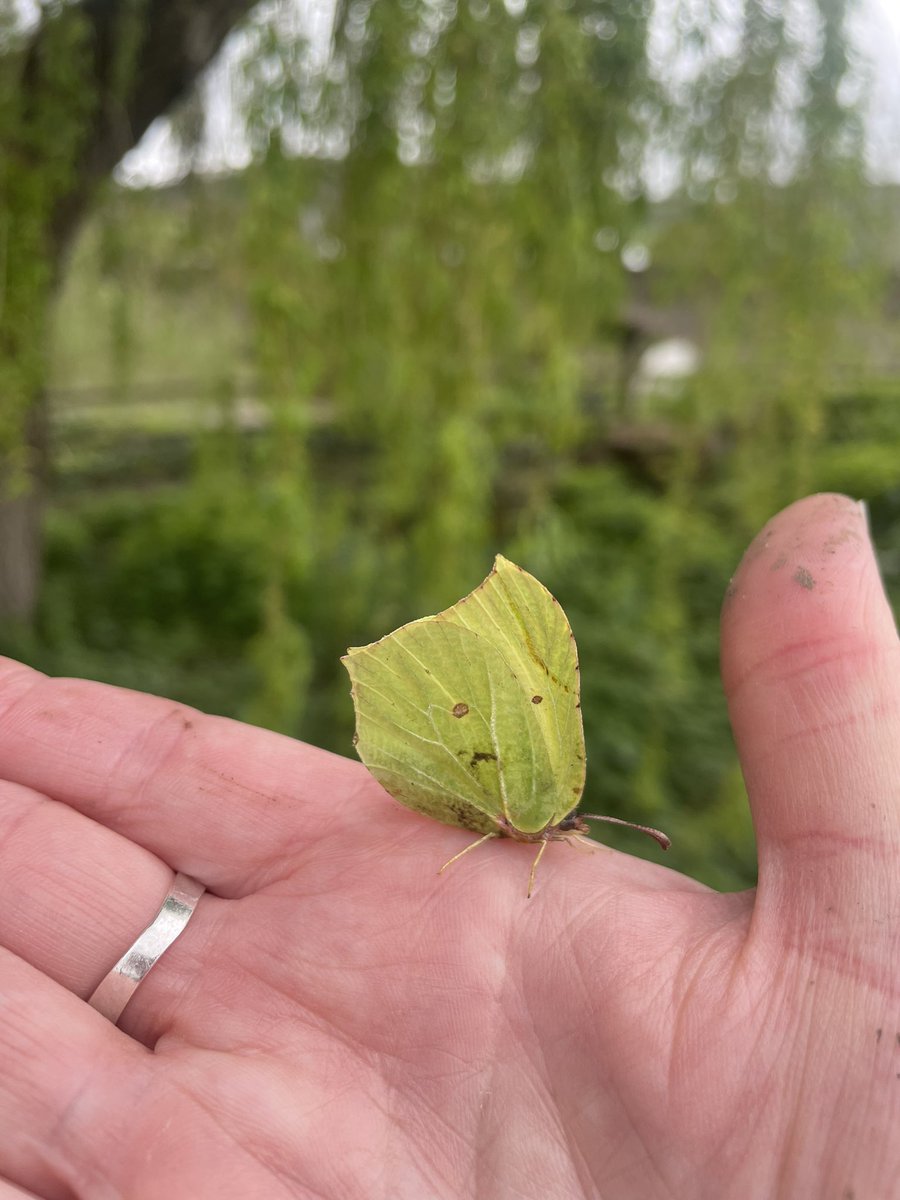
337	1022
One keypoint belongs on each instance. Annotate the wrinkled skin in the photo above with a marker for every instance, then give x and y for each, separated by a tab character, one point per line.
338	1022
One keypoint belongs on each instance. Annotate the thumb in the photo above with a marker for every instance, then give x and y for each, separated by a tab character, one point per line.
811	668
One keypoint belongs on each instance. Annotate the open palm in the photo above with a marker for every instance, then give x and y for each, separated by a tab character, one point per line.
338	1022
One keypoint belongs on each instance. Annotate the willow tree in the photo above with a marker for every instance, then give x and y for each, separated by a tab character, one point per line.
462	162
773	203
461	171
78	89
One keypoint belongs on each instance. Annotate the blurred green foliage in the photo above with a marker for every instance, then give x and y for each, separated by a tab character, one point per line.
341	381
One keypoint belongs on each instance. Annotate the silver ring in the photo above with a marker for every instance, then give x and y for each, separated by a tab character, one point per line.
116	989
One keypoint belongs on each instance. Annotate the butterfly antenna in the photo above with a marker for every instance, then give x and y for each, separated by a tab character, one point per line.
656	834
471	846
534	867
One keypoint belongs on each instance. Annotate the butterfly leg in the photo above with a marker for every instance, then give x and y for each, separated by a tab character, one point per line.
471	846
534	866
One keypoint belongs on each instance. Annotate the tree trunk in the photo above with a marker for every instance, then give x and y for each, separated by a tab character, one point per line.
21	525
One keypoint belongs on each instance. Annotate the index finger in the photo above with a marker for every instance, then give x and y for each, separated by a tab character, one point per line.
214	798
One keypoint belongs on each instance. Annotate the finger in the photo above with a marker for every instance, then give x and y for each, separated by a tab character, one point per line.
811	667
9	1191
73	894
60	1068
219	800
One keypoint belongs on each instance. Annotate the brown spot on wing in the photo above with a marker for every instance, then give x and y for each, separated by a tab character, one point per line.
482	756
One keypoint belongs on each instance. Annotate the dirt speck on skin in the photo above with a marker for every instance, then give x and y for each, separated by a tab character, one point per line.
878	1033
838	539
780	561
803	577
180	715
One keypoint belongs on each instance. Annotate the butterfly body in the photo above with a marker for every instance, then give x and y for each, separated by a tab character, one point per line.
552	832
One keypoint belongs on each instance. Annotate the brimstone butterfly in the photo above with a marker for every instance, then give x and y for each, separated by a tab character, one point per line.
473	716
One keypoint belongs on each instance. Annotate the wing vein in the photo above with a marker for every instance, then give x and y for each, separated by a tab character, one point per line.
440	787
500	759
439	745
401	643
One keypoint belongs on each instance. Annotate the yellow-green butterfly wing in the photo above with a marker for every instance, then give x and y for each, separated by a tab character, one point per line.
528	625
473	715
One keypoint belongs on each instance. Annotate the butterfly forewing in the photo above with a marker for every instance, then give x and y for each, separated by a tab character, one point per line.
528	627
